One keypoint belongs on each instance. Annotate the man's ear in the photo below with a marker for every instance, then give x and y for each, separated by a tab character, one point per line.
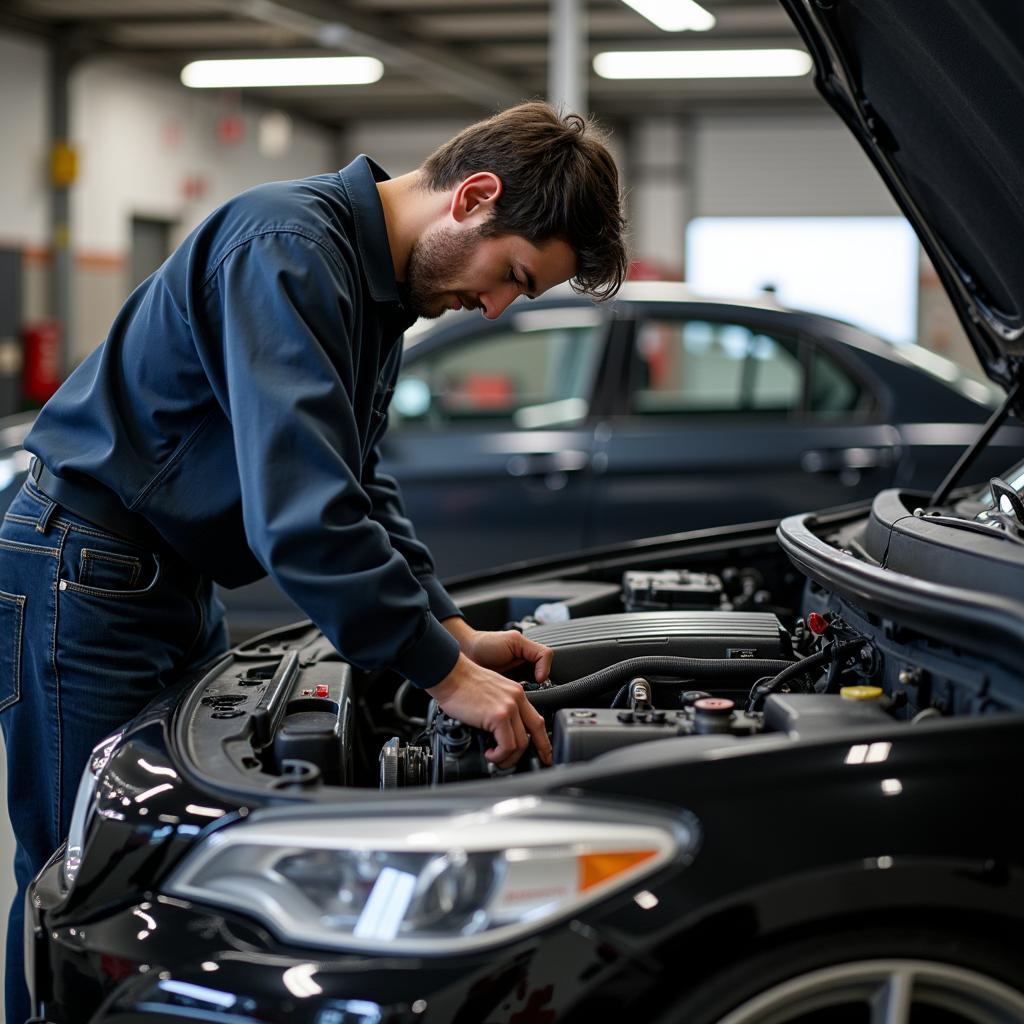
474	197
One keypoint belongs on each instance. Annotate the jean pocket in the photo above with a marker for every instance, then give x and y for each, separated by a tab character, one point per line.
12	617
108	570
112	574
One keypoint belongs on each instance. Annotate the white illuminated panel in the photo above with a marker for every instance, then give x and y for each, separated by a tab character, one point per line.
860	269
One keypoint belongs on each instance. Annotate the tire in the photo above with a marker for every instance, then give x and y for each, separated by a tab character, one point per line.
877	976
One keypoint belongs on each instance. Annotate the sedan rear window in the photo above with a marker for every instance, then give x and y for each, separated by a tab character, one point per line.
529	378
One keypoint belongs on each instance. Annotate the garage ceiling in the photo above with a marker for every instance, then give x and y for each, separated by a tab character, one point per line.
443	58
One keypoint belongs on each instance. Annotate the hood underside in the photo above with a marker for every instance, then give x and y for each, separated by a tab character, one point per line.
934	91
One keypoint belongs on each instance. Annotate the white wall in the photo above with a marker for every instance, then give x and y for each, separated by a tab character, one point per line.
398	146
783	165
24	129
141	137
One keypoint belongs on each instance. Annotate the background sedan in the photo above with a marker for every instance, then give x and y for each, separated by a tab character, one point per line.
565	424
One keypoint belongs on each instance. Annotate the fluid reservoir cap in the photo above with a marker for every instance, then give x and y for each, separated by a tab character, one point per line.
860	692
817	623
715	705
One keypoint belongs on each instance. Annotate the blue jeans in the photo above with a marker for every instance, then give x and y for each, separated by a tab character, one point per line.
92	627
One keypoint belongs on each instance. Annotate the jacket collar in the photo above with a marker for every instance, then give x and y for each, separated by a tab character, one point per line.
360	181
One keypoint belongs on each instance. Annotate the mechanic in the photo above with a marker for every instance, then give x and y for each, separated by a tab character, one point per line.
228	426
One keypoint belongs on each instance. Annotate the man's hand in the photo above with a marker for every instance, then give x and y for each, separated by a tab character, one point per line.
502	650
482	698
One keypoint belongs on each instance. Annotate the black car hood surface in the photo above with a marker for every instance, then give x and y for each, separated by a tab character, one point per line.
934	91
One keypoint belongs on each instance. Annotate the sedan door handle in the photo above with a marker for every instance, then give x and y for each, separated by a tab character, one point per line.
835	460
541	464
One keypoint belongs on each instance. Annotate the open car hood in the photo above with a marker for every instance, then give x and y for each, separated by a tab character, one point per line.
934	90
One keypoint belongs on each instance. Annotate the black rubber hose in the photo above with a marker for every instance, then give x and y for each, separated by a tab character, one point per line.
834	649
578	691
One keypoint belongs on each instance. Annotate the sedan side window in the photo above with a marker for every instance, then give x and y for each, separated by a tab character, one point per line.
698	366
526	378
832	392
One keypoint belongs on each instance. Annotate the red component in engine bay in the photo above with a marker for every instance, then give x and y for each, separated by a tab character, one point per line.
716	705
817	623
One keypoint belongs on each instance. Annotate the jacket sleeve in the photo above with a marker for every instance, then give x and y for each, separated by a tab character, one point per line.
280	356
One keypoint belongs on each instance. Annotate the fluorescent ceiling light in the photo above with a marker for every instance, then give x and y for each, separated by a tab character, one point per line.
703	64
674	15
281	71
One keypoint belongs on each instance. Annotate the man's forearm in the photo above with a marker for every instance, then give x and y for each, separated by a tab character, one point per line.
459	628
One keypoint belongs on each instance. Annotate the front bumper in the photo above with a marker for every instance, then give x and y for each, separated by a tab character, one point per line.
171	960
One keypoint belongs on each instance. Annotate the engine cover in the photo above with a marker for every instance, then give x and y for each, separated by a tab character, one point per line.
589	644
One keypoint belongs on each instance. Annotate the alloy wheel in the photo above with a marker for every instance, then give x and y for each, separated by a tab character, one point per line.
885	991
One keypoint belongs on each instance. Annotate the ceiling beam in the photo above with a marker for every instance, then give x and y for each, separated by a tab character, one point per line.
362	33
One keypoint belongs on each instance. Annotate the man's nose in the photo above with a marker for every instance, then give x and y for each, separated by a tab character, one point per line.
496	302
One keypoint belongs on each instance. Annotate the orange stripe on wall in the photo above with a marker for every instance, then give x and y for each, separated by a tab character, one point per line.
39	256
100	260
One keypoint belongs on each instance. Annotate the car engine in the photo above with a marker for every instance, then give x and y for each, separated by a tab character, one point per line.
685	659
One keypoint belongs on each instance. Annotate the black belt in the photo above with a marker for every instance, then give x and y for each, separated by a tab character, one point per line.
100	505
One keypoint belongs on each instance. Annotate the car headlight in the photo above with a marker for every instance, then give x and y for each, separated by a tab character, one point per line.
425	883
84	803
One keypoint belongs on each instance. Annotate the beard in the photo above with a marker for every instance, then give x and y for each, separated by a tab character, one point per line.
436	260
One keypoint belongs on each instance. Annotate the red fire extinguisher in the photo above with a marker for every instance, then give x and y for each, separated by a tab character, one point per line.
42	360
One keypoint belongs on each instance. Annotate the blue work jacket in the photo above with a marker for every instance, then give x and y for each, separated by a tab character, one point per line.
236	405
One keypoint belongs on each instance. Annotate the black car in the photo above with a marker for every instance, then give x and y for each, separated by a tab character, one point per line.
787	757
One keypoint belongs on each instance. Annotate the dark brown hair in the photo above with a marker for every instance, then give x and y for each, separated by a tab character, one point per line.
558	181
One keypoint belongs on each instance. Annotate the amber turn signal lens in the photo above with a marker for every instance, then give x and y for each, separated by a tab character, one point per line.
596	868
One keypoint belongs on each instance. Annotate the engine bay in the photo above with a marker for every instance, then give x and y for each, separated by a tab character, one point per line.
681	661
687	647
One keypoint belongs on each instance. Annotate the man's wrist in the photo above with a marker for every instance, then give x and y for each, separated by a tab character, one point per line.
460	629
444	688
